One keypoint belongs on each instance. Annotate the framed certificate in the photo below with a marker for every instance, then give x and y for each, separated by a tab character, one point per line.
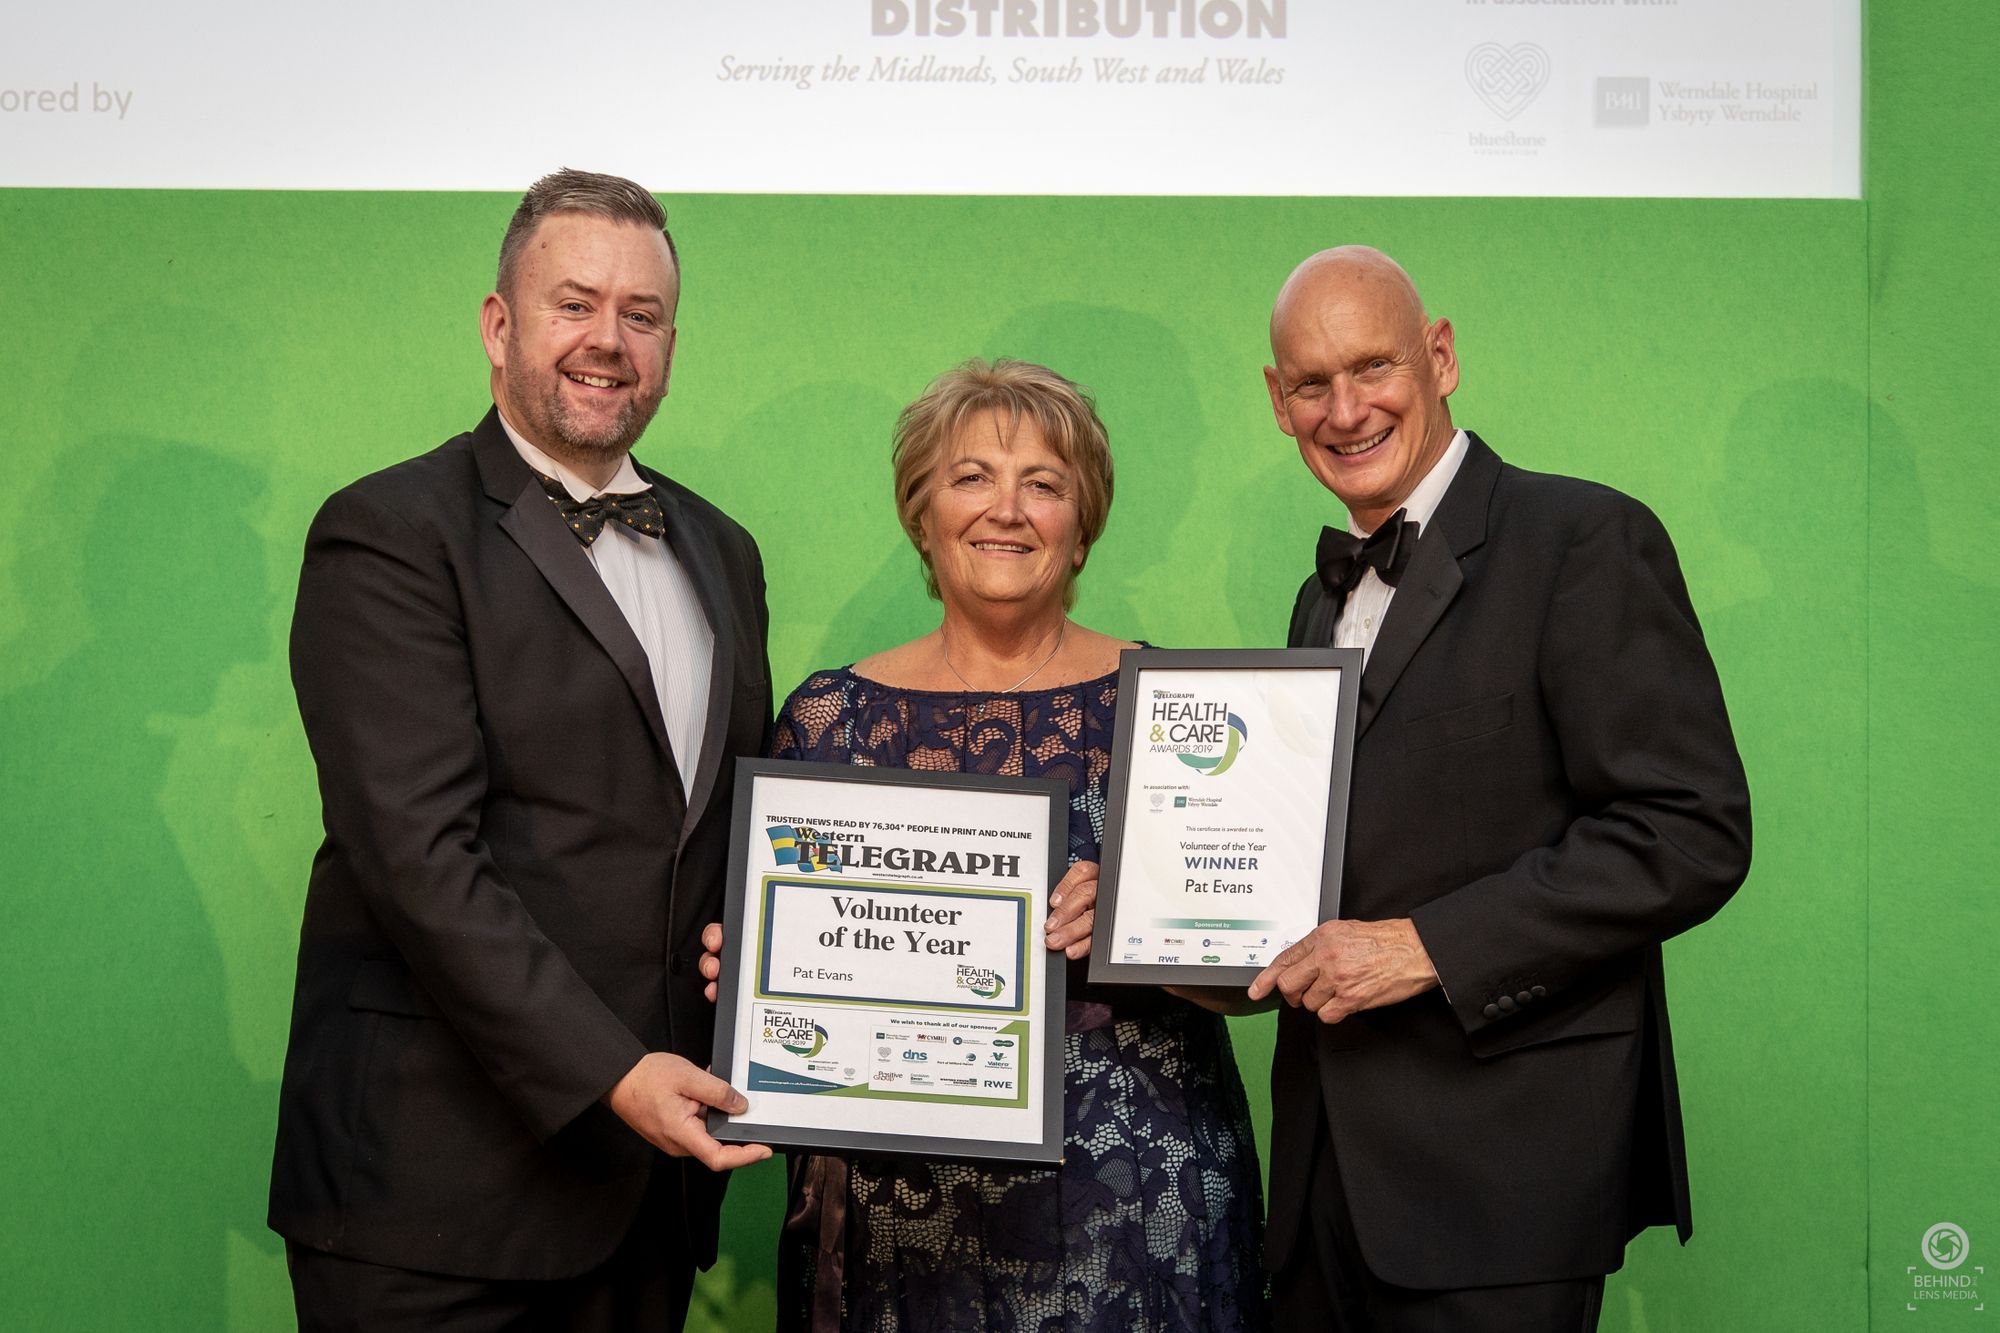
1228	810
885	987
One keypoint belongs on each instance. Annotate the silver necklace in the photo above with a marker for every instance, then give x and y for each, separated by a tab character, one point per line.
944	651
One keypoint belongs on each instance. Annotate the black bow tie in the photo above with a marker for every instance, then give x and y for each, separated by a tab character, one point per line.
1343	557
638	511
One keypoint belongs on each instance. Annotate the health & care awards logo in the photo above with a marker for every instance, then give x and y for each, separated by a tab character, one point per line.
1945	1248
1235	734
795	1033
1201	733
984	982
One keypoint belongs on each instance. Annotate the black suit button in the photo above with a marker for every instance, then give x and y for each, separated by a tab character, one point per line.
676	964
1492	1011
1507	1004
1538	991
1525	997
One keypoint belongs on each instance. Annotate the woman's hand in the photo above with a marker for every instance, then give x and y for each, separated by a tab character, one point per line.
1072	911
711	959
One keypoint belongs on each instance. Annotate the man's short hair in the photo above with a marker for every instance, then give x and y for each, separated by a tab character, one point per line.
573	191
1064	412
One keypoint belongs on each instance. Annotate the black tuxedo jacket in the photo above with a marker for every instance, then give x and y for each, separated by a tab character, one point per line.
1546	783
505	914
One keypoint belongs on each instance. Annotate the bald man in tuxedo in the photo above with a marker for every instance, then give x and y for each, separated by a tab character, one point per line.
1473	1093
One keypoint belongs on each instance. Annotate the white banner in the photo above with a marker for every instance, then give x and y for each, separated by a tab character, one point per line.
1755	98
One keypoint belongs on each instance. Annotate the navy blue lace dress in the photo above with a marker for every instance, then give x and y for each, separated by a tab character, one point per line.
1154	1220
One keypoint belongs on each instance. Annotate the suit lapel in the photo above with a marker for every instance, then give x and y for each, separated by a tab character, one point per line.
696	551
1427	587
537	528
1433	578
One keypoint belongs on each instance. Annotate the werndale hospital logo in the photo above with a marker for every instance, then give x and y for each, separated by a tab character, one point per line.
1945	1248
1201	733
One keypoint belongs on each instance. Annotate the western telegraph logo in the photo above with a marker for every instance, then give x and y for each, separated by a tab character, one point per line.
1507	78
1201	733
1945	1248
802	849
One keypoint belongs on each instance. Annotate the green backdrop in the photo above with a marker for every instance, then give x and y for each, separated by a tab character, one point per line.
1798	388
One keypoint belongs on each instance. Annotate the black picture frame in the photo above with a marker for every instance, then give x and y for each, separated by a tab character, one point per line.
1045	1090
1106	965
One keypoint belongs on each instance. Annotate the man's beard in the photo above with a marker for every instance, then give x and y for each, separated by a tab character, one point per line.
568	435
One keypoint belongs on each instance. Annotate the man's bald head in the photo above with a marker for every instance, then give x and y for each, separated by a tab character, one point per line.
1360	378
1360	271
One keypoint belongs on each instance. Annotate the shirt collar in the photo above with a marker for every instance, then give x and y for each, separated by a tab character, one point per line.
625	482
1424	500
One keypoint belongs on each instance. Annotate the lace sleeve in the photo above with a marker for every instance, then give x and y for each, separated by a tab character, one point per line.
808	726
787	738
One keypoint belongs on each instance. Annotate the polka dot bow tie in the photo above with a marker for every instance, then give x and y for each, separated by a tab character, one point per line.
1343	558
638	511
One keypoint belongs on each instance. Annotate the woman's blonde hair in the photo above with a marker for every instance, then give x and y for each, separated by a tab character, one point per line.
1011	390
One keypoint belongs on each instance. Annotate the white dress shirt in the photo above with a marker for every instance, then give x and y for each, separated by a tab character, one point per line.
658	598
1368	605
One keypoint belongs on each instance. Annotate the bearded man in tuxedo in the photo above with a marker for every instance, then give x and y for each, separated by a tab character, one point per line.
1473	1091
526	665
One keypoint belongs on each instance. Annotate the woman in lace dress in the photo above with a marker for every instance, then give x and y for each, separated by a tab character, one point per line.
1153	1221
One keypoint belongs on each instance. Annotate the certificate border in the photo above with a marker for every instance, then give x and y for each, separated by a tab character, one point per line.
1347	707
761	989
1044	1070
